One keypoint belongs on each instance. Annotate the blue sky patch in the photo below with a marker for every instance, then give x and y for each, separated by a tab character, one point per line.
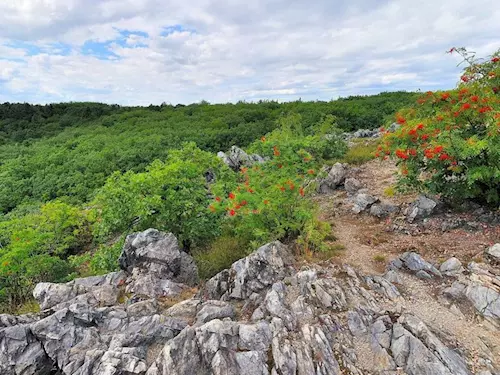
102	50
169	30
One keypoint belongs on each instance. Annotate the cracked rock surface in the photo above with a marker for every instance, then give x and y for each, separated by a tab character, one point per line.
264	315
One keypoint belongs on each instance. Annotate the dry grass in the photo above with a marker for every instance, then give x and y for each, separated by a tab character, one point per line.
361	152
221	254
168	302
29	307
380	258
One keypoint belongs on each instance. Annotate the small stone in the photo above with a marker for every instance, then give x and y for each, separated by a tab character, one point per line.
455	291
415	262
211	310
423	275
382	210
393	277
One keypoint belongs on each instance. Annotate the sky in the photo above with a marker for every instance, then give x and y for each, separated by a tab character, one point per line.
141	52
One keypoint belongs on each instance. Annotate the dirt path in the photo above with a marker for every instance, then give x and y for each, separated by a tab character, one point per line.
370	243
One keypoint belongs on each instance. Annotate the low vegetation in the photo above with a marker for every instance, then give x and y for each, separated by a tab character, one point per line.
361	151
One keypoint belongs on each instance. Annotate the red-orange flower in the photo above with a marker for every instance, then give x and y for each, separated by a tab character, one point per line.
420	126
232	213
438	149
484	109
218	199
400	120
465	106
444	157
276	151
231	195
310	171
495	59
266	201
445	95
211	208
301	191
401	154
243	202
474	98
425	136
263	139
429	154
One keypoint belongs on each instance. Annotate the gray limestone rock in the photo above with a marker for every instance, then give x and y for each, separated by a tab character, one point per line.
451	267
423	207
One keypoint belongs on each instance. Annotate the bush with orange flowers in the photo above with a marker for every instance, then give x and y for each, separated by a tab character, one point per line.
270	201
449	142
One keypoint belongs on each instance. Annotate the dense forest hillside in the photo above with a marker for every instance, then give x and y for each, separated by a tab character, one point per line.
68	150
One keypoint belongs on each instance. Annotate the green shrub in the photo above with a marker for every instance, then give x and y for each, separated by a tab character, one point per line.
325	142
171	196
101	261
55	228
34	246
269	202
223	252
449	142
19	274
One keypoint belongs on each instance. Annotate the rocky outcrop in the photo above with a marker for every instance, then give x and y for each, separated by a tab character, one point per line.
370	133
236	158
264	315
481	288
415	263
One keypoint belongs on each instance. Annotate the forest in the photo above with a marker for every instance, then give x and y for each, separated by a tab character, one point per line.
75	178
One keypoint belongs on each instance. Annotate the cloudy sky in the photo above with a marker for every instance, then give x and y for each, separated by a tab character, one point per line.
152	51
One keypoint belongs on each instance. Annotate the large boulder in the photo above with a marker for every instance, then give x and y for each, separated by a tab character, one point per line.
94	290
20	351
236	158
97	341
156	264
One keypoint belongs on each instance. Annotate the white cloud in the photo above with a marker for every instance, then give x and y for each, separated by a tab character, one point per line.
222	51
